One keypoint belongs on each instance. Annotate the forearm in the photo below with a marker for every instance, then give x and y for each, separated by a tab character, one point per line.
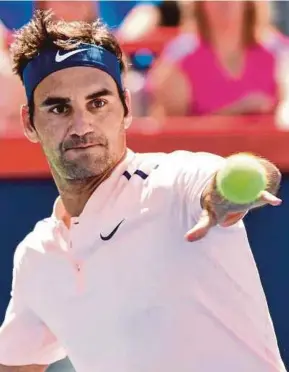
220	207
29	368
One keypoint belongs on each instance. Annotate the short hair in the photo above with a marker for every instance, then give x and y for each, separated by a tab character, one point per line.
44	32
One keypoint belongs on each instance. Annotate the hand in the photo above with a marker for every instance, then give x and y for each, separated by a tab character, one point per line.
220	211
257	102
208	218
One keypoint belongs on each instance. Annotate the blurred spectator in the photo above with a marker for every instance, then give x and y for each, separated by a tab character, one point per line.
142	23
227	67
12	93
146	16
71	10
14	14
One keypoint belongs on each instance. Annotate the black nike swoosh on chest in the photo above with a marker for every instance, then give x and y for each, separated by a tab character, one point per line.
109	236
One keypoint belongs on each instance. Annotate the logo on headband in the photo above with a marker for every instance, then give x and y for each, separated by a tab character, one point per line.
63	57
51	60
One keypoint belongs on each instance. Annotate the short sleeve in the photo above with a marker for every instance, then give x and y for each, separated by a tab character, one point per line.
179	47
24	338
196	170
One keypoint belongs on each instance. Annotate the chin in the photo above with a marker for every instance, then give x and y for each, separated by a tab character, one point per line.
85	167
86	156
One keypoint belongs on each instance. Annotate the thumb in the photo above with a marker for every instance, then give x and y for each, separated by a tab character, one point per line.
201	228
269	198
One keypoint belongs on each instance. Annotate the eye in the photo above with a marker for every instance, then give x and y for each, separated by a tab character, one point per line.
98	103
59	109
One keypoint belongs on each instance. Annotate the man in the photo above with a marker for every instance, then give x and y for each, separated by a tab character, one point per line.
110	279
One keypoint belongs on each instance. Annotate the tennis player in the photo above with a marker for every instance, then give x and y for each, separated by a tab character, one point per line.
110	279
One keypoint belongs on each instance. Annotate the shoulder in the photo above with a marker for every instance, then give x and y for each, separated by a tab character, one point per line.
193	170
177	166
180	47
179	159
276	47
187	161
274	42
179	181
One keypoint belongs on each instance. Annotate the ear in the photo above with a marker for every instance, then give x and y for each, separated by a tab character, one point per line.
128	117
28	127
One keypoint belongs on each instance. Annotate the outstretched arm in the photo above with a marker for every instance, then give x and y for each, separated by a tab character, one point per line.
217	210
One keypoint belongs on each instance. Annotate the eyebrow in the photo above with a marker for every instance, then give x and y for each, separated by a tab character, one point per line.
101	93
54	100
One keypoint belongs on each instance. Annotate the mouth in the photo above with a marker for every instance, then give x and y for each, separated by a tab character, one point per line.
83	147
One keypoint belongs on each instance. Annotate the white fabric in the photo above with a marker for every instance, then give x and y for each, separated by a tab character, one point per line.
145	300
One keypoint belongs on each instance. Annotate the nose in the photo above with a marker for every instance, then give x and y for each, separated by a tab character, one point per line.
81	124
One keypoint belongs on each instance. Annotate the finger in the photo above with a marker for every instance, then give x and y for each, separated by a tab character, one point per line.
201	228
233	218
269	198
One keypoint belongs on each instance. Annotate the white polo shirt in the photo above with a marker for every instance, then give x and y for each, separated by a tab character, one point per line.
123	291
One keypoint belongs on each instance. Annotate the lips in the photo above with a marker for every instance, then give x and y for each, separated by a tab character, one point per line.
82	147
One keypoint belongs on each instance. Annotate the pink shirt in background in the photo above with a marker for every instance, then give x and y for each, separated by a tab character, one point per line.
212	87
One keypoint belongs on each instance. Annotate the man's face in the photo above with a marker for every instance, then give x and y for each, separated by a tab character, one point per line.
79	121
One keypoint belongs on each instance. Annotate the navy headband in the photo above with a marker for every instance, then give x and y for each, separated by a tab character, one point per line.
55	59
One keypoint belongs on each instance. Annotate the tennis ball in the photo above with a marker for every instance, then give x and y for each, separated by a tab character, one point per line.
242	179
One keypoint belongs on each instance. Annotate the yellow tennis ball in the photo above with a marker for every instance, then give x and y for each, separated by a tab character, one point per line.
242	179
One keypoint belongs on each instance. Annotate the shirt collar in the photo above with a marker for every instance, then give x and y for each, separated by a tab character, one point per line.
59	212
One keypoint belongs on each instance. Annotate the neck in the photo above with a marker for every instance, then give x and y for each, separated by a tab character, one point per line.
227	42
75	193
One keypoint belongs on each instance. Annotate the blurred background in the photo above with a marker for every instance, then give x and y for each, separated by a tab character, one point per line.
204	76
